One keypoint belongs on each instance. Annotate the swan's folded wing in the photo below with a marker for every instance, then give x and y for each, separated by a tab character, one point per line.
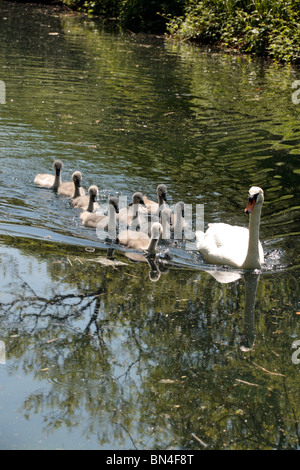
224	244
227	235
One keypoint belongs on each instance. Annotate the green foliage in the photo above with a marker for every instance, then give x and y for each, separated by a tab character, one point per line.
107	8
264	27
261	26
136	15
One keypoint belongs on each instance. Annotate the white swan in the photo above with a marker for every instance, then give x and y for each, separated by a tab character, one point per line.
50	181
101	221
87	203
72	188
238	247
140	240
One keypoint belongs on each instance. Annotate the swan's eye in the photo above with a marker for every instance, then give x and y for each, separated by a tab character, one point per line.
253	198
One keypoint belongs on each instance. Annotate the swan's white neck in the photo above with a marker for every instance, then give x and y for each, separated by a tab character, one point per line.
253	245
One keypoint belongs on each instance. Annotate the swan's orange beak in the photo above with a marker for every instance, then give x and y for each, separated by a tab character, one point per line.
251	204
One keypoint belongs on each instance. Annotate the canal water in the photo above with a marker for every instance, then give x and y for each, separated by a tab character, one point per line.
123	352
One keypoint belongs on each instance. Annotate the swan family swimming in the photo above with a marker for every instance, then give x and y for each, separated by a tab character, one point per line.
220	244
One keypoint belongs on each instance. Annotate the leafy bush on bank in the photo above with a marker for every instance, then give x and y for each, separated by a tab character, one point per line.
264	27
107	8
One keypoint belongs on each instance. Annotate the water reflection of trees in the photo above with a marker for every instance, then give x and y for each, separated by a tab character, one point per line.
162	363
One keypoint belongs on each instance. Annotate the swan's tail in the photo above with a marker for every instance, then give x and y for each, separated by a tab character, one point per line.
199	237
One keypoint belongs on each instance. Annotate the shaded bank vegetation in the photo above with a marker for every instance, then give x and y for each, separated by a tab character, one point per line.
264	27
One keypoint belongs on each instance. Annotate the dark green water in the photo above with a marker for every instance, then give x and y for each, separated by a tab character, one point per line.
123	354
